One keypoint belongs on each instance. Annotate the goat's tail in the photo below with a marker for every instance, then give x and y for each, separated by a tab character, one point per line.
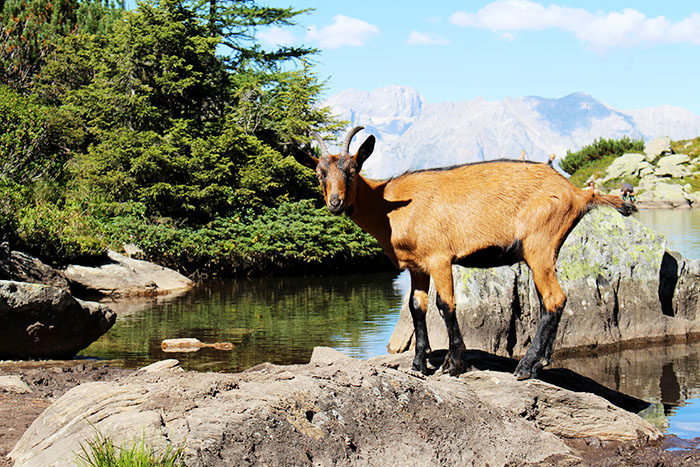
623	207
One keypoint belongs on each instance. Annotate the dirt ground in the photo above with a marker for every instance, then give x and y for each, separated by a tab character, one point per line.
50	380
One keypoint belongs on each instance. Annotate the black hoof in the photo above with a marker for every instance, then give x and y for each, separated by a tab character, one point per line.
419	364
528	368
453	366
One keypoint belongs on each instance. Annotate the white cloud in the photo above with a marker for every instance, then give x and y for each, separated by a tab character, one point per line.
600	31
276	36
344	31
422	38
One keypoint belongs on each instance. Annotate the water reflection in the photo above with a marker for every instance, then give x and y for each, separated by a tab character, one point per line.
666	374
680	226
277	320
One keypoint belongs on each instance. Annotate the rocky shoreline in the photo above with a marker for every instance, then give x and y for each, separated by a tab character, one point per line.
333	410
40	317
623	286
658	175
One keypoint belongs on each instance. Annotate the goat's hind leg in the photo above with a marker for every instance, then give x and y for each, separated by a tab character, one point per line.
418	304
539	354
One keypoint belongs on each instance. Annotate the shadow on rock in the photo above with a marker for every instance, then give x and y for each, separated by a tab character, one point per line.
560	377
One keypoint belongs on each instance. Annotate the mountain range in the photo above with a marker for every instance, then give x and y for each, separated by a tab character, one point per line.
413	134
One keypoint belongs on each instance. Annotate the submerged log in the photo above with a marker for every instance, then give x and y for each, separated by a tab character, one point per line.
191	344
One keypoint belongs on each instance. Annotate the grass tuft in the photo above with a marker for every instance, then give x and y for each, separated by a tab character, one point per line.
102	452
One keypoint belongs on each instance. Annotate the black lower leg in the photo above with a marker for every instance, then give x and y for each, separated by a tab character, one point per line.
421	332
454	363
539	353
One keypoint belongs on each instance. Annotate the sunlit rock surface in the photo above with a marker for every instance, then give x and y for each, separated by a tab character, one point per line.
121	276
337	410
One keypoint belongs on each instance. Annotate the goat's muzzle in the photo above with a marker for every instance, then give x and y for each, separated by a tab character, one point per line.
335	205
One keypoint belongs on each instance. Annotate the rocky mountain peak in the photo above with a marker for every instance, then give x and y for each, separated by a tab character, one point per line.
415	134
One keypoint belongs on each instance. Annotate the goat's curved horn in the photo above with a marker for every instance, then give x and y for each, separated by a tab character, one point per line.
348	138
321	144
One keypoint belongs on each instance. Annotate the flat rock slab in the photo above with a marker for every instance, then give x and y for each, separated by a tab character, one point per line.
126	277
14	384
334	410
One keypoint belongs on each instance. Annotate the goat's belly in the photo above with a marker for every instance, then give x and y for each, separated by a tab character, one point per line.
493	256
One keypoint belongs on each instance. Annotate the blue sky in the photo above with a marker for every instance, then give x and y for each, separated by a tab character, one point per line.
628	54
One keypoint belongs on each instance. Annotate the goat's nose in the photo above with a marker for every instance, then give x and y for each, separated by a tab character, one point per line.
334	201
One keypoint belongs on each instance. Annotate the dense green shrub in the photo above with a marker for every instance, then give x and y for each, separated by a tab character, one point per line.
36	219
294	237
600	148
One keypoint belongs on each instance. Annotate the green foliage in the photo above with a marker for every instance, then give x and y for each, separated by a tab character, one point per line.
235	22
281	115
29	30
33	138
101	452
691	147
600	148
294	237
132	126
157	67
36	219
596	168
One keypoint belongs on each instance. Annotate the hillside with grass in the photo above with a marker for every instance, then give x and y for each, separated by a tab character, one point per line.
664	173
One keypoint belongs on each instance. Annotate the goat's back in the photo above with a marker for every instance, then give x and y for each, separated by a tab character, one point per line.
467	208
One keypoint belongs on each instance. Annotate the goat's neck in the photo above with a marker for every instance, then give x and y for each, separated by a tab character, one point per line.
370	212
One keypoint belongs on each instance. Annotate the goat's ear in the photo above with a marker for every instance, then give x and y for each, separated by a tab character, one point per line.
304	158
365	150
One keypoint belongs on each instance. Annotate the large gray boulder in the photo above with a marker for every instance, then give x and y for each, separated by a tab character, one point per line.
333	411
122	277
22	267
662	194
39	321
674	166
621	284
627	165
657	147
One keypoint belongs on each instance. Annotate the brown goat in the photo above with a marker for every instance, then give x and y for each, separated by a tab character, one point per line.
478	215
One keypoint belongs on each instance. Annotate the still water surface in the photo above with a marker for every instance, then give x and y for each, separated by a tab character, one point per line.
281	320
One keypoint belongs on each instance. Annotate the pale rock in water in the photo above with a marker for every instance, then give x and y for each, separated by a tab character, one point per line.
122	276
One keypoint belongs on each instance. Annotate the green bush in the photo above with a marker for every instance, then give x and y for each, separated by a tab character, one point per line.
600	148
294	237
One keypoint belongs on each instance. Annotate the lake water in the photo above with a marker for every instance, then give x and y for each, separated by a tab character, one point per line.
281	320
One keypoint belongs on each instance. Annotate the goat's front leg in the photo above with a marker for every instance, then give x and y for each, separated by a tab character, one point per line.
418	304
445	301
539	354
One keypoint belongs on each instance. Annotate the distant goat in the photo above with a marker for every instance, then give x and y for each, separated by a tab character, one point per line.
477	215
